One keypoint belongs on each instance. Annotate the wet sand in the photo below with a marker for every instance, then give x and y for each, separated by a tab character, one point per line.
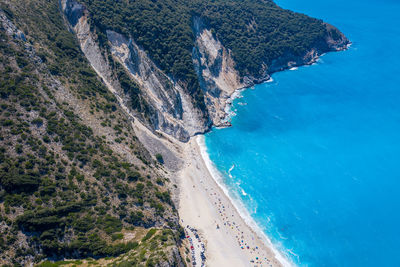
203	206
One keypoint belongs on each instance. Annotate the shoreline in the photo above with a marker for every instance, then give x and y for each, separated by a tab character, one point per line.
200	210
225	121
238	204
231	236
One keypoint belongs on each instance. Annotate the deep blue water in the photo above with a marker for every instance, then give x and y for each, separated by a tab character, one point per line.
317	151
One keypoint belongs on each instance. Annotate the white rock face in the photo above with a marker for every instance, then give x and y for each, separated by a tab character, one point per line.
216	72
172	111
176	116
171	107
77	17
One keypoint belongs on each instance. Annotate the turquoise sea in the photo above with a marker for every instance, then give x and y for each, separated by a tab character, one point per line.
314	155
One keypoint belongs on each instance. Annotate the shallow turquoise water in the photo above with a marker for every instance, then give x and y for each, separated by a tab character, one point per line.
316	153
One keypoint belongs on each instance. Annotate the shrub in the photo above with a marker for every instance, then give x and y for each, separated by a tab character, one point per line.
160	158
38	122
136	218
117	236
149	234
18	148
110	224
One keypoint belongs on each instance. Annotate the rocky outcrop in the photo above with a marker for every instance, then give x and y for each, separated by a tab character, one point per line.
219	78
174	113
76	15
173	258
215	69
171	109
333	40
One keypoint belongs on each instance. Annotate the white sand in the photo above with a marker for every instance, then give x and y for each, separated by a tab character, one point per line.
203	205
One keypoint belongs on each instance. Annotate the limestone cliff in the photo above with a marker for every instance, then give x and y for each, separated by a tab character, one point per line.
333	40
216	71
219	78
171	109
175	114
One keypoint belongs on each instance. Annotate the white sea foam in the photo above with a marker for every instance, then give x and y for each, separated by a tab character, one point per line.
294	254
281	236
319	59
231	169
294	68
236	94
228	107
238	204
244	193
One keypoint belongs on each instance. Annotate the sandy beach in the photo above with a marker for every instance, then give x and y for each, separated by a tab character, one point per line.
210	219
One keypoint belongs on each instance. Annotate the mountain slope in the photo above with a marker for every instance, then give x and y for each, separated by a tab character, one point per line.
258	38
74	180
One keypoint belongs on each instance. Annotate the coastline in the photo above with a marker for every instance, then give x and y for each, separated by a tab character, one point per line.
232	238
231	235
237	203
251	82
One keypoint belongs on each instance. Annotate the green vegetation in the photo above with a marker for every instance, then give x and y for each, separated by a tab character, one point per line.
257	32
57	264
162	28
149	251
149	234
160	158
65	191
131	88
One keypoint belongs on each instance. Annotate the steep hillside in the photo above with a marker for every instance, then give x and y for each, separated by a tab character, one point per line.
139	85
265	38
74	180
257	37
